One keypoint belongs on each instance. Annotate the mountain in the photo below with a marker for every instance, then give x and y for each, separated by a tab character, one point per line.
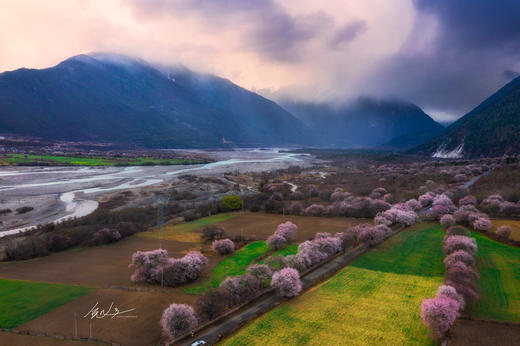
113	98
491	129
367	123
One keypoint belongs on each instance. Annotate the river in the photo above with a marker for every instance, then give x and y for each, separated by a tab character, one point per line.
58	193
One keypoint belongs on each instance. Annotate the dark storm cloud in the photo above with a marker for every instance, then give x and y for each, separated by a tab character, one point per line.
471	43
347	33
267	28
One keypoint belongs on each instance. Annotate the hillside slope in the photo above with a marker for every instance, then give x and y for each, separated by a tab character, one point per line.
111	98
367	123
491	129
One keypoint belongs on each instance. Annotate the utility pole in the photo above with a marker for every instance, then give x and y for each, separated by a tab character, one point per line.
75	325
161	201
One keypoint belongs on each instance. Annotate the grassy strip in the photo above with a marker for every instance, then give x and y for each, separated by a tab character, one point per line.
232	265
375	300
53	160
499	267
23	301
184	231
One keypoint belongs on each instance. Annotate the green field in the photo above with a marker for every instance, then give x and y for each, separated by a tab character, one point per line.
184	231
499	267
232	265
374	300
237	263
52	160
23	301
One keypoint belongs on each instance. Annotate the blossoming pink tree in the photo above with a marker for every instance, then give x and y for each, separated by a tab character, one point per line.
178	319
287	282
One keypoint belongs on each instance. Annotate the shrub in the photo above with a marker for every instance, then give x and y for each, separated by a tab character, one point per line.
59	242
152	266
426	199
241	288
459	242
212	304
287	282
447	220
459	256
104	236
482	224
262	272
504	231
296	208
450	292
287	230
439	314
276	241
23	210
328	245
378	193
337	195
372	236
467	200
509	208
211	233
347	239
178	319
378	205
231	202
457	230
461	215
127	228
437	211
223	246
145	264
462	274
294	261
315	210
309	253
469	294
413	204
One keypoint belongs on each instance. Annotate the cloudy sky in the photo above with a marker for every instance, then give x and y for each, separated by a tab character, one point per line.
444	55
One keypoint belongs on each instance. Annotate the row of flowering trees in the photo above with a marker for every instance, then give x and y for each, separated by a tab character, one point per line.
156	267
439	313
282	272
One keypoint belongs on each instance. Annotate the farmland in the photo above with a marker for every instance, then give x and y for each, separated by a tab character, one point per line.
364	301
514	224
55	160
499	281
22	301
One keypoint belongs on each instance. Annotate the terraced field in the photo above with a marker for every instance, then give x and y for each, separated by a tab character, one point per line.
375	300
22	301
499	266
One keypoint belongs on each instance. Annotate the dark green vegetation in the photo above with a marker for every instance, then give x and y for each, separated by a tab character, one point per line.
491	129
232	202
23	301
374	300
53	160
117	99
499	267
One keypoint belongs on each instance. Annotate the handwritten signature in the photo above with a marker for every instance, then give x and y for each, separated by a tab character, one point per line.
95	312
